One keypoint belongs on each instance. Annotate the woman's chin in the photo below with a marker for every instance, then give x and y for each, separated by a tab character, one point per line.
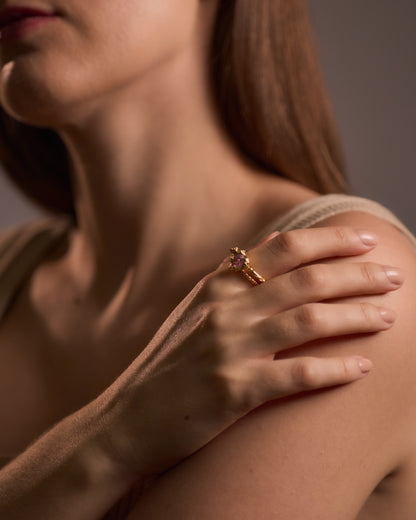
32	100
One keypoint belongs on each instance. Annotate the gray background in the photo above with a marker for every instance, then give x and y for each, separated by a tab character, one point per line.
367	48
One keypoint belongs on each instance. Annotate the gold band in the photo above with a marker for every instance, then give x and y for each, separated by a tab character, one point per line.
240	262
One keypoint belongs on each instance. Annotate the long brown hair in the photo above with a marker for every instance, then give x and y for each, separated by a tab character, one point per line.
268	88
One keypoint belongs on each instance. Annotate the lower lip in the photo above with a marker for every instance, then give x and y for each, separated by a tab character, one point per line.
21	27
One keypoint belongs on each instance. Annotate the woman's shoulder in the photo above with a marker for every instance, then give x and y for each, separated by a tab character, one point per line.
314	211
337	445
22	247
32	229
396	244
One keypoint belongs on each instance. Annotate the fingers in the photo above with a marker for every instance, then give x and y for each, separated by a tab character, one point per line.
284	312
275	379
288	250
318	282
310	322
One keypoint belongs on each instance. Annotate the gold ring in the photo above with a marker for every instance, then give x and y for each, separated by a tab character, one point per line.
239	261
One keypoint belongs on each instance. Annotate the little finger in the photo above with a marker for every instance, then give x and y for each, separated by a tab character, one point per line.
276	379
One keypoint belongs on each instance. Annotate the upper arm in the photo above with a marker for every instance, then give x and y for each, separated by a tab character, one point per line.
317	455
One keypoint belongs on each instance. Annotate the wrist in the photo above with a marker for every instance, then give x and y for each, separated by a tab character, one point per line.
66	473
99	461
110	444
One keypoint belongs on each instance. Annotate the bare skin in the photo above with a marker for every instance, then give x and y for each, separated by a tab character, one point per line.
148	154
347	455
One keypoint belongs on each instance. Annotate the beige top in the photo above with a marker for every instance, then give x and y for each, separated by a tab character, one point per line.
22	247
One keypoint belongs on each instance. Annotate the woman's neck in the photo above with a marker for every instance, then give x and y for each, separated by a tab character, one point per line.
157	185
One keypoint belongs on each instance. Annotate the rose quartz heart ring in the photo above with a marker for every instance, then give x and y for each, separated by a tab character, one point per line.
239	262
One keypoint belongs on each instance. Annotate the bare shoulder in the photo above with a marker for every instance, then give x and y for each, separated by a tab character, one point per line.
393	249
390	238
36	234
321	454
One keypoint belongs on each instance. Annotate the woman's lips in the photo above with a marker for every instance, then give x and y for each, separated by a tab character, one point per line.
15	22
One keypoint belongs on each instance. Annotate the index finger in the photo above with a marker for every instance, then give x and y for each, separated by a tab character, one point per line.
288	250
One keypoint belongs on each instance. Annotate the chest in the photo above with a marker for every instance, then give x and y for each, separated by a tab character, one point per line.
50	366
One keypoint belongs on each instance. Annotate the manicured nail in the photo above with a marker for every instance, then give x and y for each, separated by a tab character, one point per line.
388	315
367	238
365	364
394	274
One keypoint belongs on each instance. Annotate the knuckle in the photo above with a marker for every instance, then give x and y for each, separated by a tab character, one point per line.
213	288
215	317
309	317
369	312
232	390
341	235
223	334
264	331
286	243
282	331
345	369
217	381
211	317
311	278
205	287
273	331
305	373
367	271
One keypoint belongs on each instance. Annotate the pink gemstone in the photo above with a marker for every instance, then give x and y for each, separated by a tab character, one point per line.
238	261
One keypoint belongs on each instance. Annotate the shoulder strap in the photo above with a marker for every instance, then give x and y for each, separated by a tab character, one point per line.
21	248
315	210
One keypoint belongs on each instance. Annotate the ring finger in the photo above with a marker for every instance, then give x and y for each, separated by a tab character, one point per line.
314	321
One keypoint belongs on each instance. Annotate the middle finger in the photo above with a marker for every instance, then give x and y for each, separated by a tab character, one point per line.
314	283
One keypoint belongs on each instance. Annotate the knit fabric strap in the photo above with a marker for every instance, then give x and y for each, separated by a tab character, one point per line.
21	249
318	209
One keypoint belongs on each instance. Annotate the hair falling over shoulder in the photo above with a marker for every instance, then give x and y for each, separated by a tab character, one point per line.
269	91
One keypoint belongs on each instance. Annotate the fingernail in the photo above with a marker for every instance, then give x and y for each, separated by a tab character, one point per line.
365	364
388	315
394	274
367	238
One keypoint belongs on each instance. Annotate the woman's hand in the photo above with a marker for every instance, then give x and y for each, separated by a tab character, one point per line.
214	359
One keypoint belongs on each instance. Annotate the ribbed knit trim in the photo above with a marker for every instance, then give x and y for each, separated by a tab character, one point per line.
320	208
21	249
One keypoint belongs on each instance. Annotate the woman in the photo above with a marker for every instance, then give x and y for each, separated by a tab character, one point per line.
165	178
